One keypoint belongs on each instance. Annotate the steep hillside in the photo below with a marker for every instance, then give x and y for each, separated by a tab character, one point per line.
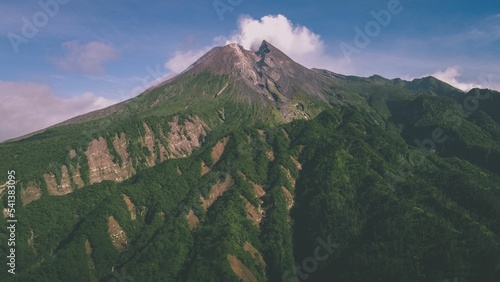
249	166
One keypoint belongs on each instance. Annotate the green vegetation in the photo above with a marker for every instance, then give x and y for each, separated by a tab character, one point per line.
391	210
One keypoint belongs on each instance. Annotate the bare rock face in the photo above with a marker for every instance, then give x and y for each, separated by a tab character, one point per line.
270	75
120	145
216	191
184	138
101	165
204	168
240	269
288	175
270	155
56	189
254	214
192	220
65	187
288	198
296	162
149	141
219	149
257	189
256	255
30	193
118	236
88	252
130	207
77	177
72	154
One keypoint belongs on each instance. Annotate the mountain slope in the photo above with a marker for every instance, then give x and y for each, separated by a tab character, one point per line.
248	166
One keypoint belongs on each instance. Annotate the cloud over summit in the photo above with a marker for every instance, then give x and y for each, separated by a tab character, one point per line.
299	42
290	38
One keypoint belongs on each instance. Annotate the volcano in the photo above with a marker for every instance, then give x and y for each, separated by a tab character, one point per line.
248	166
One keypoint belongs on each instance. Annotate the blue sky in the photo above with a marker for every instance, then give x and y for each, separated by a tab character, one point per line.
75	56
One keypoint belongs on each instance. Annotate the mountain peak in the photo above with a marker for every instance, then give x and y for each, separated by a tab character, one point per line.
263	49
267	73
222	60
233	57
274	56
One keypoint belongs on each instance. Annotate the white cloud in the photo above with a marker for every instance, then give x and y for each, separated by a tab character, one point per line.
279	30
90	58
27	107
182	60
298	42
307	48
452	75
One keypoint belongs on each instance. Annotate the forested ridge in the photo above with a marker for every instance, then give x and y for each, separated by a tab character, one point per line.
378	180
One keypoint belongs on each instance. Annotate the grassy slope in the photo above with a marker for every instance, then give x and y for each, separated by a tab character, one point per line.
395	212
392	215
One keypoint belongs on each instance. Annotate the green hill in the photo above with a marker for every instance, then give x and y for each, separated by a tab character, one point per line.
250	167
